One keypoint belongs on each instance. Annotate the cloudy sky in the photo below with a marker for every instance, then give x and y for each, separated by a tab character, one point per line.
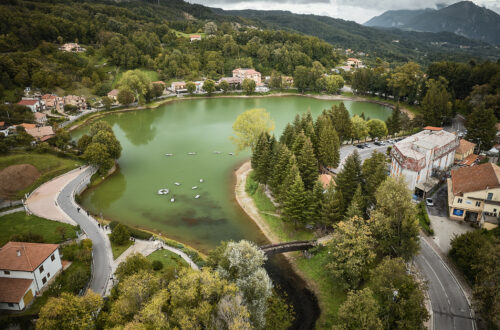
355	10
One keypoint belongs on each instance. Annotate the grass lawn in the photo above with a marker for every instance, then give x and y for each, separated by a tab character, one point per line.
119	249
187	35
48	165
152	75
21	223
169	259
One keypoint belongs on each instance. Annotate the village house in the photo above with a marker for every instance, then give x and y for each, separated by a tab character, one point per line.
52	101
26	269
234	82
464	155
354	63
40	118
247	74
113	95
72	47
41	134
34	104
178	86
195	37
474	193
78	101
421	156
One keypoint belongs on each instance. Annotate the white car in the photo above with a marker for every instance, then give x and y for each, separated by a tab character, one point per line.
429	202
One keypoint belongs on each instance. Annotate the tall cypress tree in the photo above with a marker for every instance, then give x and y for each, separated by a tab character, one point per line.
350	176
295	202
357	206
308	165
394	121
374	173
341	121
288	136
333	206
328	145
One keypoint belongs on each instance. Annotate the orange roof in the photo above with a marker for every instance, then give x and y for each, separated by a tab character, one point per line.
27	102
12	290
48	96
465	146
114	92
159	82
195	36
432	128
2	123
27	126
30	255
469	160
44	132
475	178
325	180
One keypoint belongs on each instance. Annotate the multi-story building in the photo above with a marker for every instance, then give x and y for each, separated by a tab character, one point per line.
78	101
25	269
421	155
34	104
474	193
72	47
247	74
113	95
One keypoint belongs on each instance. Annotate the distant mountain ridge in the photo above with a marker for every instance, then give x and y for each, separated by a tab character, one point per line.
462	18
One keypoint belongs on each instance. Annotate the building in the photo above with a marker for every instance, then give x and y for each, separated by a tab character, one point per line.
420	157
34	104
41	134
464	155
113	95
78	101
234	82
178	86
354	63
474	193
40	118
247	74
195	37
25	269
52	101
72	47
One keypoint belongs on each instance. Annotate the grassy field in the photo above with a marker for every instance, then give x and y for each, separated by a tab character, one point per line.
152	75
21	223
186	35
119	249
169	260
48	165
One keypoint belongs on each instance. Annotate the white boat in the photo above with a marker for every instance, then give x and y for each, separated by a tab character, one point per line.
177	184
194	187
217	152
169	155
197	196
191	153
172	199
231	154
163	191
201	180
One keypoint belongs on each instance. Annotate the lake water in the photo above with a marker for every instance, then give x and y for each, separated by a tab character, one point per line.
200	126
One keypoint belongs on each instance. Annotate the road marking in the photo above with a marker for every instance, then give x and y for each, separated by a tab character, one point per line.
437	277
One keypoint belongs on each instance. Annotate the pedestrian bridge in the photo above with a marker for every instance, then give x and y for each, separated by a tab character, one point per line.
288	247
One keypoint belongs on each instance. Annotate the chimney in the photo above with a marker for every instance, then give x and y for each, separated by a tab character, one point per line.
18	253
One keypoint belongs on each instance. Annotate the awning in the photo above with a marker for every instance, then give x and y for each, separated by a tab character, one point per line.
427	185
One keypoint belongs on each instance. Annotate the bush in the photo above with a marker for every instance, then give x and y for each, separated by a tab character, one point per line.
423	219
120	235
251	185
157	265
27	237
134	232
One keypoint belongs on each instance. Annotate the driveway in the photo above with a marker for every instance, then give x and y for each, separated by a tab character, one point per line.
365	153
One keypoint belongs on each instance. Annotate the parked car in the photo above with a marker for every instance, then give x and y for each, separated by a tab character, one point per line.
429	202
377	143
360	146
367	145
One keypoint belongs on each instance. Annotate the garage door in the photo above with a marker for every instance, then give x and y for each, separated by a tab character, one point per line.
28	297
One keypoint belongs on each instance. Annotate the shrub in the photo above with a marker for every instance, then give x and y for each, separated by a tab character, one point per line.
157	265
27	237
120	235
134	232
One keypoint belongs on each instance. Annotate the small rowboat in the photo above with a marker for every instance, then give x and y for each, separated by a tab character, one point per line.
163	191
197	196
172	199
201	180
194	187
177	184
168	155
217	152
191	153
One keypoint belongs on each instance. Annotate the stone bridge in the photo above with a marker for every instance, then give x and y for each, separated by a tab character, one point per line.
288	247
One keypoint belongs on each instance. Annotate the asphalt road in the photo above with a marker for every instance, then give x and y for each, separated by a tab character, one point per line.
365	153
450	307
101	252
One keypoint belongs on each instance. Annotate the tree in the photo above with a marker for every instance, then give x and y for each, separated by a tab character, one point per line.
70	312
99	126
276	81
328	144
281	168
394	223
359	128
125	97
157	89
133	264
96	154
135	81
400	296
210	28
70	108
295	201
359	311
191	87
349	177
308	165
288	136
332	83
120	235
406	81
374	172
209	86
357	207
279	315
341	121
248	86
436	105
224	86
393	123
481	128
106	102
301	78
109	140
333	206
262	157
316	198
248	127
376	128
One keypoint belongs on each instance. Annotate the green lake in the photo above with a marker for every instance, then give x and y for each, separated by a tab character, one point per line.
201	126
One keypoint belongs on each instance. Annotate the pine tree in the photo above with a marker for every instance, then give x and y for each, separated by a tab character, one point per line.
290	173
308	165
333	206
357	206
260	158
316	203
295	202
328	145
436	104
374	173
350	176
341	121
298	143
394	121
280	170
311	134
288	136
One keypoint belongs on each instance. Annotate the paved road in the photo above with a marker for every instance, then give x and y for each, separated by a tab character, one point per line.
365	153
449	305
101	250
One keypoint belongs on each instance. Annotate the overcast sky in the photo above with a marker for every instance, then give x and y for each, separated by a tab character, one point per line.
354	10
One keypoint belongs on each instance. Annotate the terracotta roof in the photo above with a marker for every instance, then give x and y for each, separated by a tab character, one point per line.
41	132
114	92
48	96
27	126
39	115
27	102
2	123
195	36
12	290
432	128
465	146
475	178
31	255
469	160
159	82
325	180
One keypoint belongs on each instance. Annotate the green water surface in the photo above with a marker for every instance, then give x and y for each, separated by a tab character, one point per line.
201	126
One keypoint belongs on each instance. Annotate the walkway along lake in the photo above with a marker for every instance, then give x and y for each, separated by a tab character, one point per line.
203	127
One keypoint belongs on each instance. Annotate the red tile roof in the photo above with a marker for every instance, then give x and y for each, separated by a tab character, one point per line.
12	290
432	128
114	92
469	160
31	255
2	123
27	102
475	178
465	146
27	126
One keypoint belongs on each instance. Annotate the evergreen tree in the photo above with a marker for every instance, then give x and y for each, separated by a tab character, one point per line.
288	136
394	121
349	178
481	127
291	172
436	105
316	203
374	173
298	143
341	121
311	134
357	206
308	165
281	167
261	158
333	206
328	145
295	202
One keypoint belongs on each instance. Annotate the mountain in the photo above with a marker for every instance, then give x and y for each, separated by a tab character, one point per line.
462	18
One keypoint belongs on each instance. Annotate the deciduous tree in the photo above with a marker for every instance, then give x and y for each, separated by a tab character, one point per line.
248	86
359	311
376	128
248	127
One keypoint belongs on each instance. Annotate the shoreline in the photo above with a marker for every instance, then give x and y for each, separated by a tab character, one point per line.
158	104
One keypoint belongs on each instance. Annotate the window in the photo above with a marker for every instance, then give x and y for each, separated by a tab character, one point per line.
6	272
48	275
41	269
11	305
460	200
478	203
490	196
52	257
44	280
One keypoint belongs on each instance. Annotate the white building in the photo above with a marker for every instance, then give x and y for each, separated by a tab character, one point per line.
34	104
25	269
418	156
247	74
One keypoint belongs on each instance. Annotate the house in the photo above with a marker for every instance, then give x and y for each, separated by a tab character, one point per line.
78	101
178	86
34	104
261	89
194	37
247	74
4	129
325	180
41	134
420	157
26	269
354	63
51	101
474	193
72	47
234	82
113	95
40	118
465	151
